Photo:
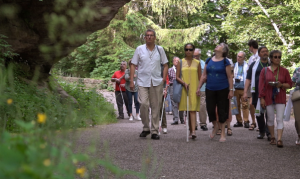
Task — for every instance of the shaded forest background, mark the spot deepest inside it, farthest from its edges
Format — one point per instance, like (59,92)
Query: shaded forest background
(204,23)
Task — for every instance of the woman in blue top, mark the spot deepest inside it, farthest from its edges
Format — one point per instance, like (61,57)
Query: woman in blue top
(219,88)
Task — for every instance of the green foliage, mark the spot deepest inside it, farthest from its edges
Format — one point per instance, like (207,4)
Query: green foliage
(28,101)
(5,50)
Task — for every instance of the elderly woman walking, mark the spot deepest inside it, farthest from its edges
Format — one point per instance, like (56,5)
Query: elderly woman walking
(273,96)
(219,88)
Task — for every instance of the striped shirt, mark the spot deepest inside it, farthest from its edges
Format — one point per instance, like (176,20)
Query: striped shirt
(283,77)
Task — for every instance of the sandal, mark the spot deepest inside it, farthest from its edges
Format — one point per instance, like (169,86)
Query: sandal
(279,143)
(273,141)
(252,127)
(229,131)
(219,132)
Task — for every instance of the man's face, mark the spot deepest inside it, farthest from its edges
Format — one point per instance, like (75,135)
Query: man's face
(197,55)
(149,37)
(175,61)
(123,66)
(240,58)
(251,49)
(264,54)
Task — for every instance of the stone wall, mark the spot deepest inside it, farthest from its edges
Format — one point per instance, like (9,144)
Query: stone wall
(89,82)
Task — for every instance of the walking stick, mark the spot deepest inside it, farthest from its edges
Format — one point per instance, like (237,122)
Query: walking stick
(162,112)
(122,97)
(187,119)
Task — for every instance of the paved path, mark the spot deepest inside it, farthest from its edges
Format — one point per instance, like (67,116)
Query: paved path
(241,156)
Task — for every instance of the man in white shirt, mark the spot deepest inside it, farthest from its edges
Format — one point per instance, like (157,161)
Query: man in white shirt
(149,58)
(253,47)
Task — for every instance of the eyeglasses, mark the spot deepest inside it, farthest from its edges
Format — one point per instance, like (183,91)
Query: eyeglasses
(275,57)
(189,49)
(149,36)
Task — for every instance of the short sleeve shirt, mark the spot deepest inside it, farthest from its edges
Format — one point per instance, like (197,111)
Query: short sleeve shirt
(149,65)
(253,58)
(119,74)
(216,74)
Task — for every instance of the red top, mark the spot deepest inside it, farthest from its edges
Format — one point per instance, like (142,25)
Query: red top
(119,74)
(283,77)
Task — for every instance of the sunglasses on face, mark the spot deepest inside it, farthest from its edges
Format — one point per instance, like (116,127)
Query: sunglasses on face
(275,57)
(189,49)
(149,35)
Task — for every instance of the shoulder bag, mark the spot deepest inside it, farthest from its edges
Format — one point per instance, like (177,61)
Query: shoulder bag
(177,88)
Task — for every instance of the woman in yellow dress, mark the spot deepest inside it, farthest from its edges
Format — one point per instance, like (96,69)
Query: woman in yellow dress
(191,74)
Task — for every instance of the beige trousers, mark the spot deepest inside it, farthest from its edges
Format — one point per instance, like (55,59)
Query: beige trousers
(202,111)
(296,106)
(150,97)
(239,97)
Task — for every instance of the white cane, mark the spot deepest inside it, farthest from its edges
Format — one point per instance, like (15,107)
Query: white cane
(187,118)
(162,112)
(122,97)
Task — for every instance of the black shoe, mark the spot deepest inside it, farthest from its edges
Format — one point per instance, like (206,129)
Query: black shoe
(196,128)
(155,137)
(120,117)
(269,137)
(144,133)
(174,123)
(182,122)
(261,136)
(204,128)
(246,125)
(238,124)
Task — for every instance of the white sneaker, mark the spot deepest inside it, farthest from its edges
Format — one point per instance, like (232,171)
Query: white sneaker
(165,130)
(138,118)
(131,118)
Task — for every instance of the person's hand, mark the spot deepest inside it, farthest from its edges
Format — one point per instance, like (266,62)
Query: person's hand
(230,94)
(122,85)
(118,81)
(245,97)
(279,84)
(263,103)
(186,86)
(165,93)
(198,92)
(134,76)
(131,85)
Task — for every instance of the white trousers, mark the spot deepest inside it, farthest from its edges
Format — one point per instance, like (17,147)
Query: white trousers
(279,114)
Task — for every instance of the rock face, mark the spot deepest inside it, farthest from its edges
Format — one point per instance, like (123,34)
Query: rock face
(29,29)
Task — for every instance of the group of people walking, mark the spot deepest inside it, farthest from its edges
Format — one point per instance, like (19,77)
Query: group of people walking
(208,88)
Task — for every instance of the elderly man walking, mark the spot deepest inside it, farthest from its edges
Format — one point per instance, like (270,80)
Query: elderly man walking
(202,112)
(120,91)
(149,58)
(240,74)
(172,76)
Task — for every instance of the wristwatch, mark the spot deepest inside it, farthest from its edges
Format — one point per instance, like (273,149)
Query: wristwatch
(231,89)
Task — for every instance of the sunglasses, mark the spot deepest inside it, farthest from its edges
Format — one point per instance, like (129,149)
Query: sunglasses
(275,57)
(189,49)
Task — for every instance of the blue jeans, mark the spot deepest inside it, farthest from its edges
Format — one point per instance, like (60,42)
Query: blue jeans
(137,104)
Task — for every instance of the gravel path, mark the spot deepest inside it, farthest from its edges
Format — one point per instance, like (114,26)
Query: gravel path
(241,156)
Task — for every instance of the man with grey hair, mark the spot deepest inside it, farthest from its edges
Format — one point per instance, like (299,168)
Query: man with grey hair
(120,91)
(149,58)
(172,77)
(240,74)
(202,112)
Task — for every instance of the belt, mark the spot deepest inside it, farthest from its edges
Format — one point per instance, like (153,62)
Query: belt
(239,89)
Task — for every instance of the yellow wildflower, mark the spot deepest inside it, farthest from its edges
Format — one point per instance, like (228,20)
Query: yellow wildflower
(47,162)
(81,171)
(41,118)
(9,101)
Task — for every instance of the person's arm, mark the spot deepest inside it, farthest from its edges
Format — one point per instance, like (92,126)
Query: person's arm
(114,78)
(127,75)
(288,81)
(248,81)
(229,77)
(132,71)
(262,88)
(202,80)
(165,72)
(199,72)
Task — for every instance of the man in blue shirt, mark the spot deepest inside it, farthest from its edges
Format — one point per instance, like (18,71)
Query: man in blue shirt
(202,112)
(240,74)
